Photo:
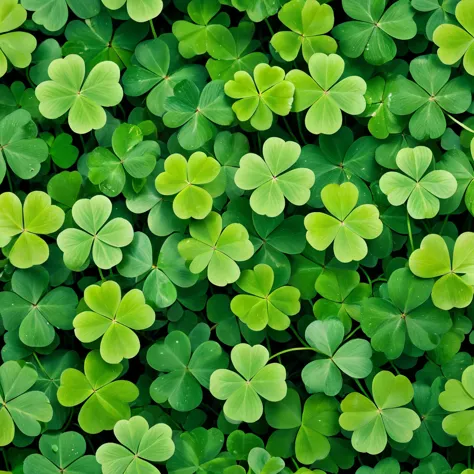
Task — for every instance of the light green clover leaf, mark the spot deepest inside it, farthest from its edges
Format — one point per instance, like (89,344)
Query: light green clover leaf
(257,10)
(352,358)
(262,306)
(385,466)
(192,182)
(372,32)
(138,10)
(84,100)
(20,408)
(139,445)
(324,95)
(309,22)
(347,227)
(455,42)
(458,397)
(61,453)
(419,189)
(16,46)
(33,311)
(433,259)
(271,180)
(261,462)
(439,13)
(406,314)
(132,158)
(113,319)
(22,224)
(105,238)
(216,249)
(257,379)
(260,97)
(183,374)
(372,422)
(106,399)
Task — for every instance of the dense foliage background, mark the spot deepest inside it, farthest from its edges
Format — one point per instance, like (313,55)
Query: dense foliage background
(236,236)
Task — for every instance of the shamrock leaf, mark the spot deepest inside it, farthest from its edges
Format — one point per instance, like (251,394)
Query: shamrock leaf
(180,385)
(63,152)
(385,466)
(83,100)
(257,10)
(106,399)
(435,462)
(271,180)
(53,14)
(349,226)
(308,22)
(266,94)
(429,97)
(138,10)
(372,422)
(374,28)
(105,239)
(34,311)
(407,313)
(112,319)
(21,408)
(261,462)
(257,379)
(324,95)
(439,13)
(455,42)
(188,179)
(157,72)
(231,50)
(420,190)
(262,306)
(63,452)
(140,445)
(352,358)
(239,444)
(216,249)
(21,225)
(458,397)
(196,111)
(132,158)
(309,430)
(433,259)
(20,148)
(17,46)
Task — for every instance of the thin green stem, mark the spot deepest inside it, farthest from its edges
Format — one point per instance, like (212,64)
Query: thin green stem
(410,235)
(287,125)
(369,280)
(40,365)
(352,333)
(83,143)
(295,332)
(394,367)
(293,349)
(153,29)
(460,124)
(379,279)
(469,460)
(259,139)
(270,348)
(167,19)
(295,463)
(362,388)
(9,179)
(89,442)
(300,128)
(443,225)
(66,426)
(101,274)
(5,459)
(269,26)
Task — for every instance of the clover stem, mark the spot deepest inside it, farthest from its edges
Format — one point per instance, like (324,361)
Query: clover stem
(5,459)
(300,128)
(362,388)
(292,350)
(295,332)
(394,367)
(269,26)
(270,348)
(410,235)
(66,426)
(9,179)
(444,224)
(101,274)
(83,143)
(469,453)
(89,442)
(460,124)
(153,29)
(352,333)
(287,125)
(259,141)
(369,280)
(40,365)
(295,463)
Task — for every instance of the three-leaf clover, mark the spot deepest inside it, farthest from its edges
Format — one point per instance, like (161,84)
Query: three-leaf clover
(139,445)
(35,312)
(262,306)
(180,385)
(407,313)
(260,97)
(216,249)
(374,28)
(138,10)
(352,358)
(420,190)
(191,182)
(455,42)
(262,462)
(348,225)
(105,239)
(271,180)
(20,407)
(429,97)
(106,399)
(257,379)
(372,422)
(83,100)
(22,224)
(324,95)
(440,12)
(112,319)
(309,22)
(61,453)
(434,259)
